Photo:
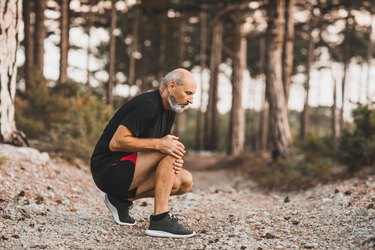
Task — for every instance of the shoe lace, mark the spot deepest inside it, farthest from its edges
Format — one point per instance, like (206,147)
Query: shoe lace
(128,205)
(174,218)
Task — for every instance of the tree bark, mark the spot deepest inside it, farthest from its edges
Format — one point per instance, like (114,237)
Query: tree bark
(134,45)
(212,119)
(112,55)
(88,49)
(39,35)
(305,112)
(288,47)
(180,121)
(237,115)
(162,48)
(369,58)
(261,144)
(202,62)
(346,58)
(64,42)
(334,121)
(28,42)
(10,20)
(280,132)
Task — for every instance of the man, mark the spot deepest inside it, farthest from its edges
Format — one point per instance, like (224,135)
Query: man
(137,157)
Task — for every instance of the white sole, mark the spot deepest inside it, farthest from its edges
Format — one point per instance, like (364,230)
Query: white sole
(115,213)
(157,233)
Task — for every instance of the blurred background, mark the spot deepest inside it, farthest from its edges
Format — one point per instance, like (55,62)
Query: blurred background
(290,79)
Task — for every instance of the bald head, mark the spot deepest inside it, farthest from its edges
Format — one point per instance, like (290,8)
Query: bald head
(179,76)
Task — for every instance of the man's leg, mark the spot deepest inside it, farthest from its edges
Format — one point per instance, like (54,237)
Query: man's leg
(182,184)
(160,182)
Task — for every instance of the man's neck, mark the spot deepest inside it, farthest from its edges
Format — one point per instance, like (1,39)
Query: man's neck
(164,98)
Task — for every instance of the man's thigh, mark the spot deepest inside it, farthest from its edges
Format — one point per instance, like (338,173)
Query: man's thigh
(145,166)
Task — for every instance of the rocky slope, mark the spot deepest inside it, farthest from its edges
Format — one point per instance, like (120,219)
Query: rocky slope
(49,204)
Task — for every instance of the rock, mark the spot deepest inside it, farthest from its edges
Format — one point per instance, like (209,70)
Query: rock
(310,245)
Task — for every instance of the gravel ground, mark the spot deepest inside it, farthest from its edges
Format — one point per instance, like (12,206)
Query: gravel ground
(49,204)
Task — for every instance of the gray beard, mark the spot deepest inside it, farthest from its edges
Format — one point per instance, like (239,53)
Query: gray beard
(175,106)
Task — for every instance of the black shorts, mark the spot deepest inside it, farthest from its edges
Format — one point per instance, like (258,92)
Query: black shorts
(116,176)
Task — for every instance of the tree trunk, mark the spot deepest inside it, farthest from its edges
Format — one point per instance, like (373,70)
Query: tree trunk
(88,49)
(369,58)
(346,64)
(202,62)
(334,121)
(64,42)
(39,35)
(10,20)
(237,115)
(28,42)
(280,131)
(305,112)
(288,47)
(112,55)
(212,119)
(162,48)
(261,144)
(180,121)
(134,45)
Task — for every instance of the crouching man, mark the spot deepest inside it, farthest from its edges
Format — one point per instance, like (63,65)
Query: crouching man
(137,157)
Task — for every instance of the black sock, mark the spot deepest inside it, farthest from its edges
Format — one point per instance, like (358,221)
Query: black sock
(159,216)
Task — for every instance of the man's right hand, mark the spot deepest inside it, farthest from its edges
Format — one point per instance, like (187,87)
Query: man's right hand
(170,145)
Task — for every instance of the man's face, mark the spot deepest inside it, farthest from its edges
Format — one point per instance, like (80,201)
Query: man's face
(182,95)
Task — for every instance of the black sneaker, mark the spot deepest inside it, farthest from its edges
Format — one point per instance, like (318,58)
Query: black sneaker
(168,227)
(120,210)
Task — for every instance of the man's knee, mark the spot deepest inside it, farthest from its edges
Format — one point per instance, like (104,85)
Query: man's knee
(186,182)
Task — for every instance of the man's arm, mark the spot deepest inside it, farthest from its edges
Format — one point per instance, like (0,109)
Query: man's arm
(124,140)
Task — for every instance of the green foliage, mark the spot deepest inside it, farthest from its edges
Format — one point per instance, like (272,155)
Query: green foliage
(65,117)
(357,147)
(300,171)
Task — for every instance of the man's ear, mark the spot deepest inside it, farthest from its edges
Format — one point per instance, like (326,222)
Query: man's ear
(171,86)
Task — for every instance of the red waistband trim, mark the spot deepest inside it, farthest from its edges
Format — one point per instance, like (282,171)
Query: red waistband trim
(132,157)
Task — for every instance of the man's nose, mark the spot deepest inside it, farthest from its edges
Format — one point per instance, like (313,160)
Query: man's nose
(190,100)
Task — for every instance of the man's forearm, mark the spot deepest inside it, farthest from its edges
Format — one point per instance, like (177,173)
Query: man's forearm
(130,143)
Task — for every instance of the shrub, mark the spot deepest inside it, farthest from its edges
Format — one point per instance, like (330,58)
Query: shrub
(65,117)
(357,147)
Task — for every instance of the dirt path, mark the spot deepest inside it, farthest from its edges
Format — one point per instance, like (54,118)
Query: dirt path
(49,204)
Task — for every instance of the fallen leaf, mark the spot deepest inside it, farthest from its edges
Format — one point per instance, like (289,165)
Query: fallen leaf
(5,216)
(269,236)
(39,200)
(21,194)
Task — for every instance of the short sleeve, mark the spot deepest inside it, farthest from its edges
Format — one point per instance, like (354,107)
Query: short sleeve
(139,118)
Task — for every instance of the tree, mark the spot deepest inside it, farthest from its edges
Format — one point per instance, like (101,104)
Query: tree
(288,46)
(179,125)
(211,119)
(310,58)
(28,41)
(64,42)
(39,34)
(237,119)
(280,132)
(202,63)
(134,44)
(10,21)
(112,54)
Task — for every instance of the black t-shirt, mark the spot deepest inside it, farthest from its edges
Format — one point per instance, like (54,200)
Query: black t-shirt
(144,116)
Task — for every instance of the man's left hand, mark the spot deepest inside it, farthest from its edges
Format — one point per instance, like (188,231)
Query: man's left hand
(177,165)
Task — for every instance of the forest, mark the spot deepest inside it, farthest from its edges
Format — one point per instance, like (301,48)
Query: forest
(289,78)
(280,137)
